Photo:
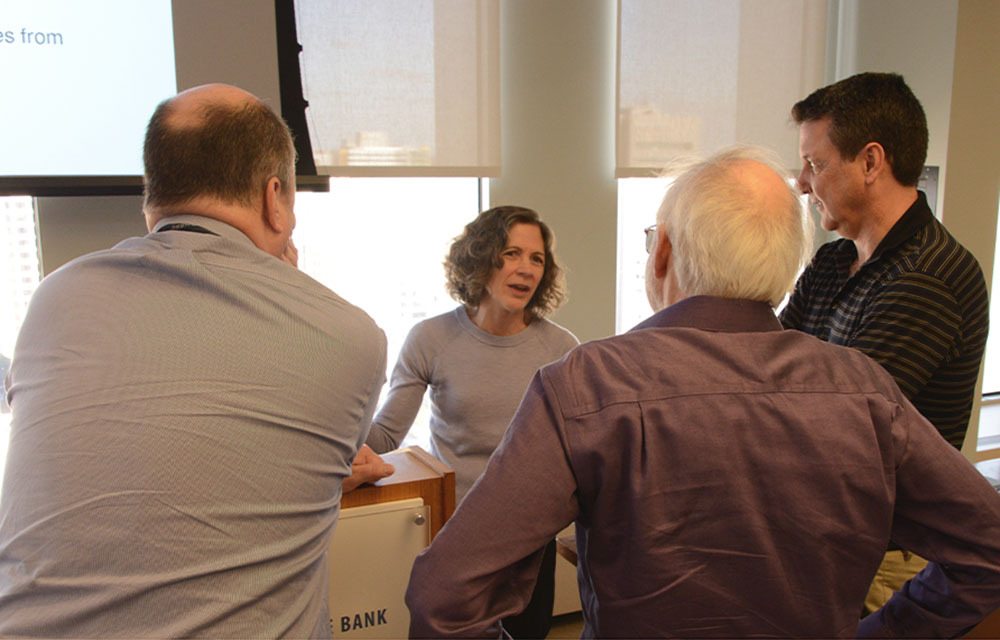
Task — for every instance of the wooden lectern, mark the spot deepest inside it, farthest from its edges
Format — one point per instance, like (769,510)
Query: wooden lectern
(418,475)
(382,528)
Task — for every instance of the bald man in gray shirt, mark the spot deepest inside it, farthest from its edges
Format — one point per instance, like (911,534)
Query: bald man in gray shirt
(187,406)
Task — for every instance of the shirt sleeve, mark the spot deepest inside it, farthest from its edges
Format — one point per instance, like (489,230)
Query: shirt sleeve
(407,385)
(946,512)
(378,357)
(484,563)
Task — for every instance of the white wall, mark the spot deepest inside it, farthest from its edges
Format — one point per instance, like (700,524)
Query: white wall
(231,41)
(948,53)
(971,199)
(915,38)
(71,227)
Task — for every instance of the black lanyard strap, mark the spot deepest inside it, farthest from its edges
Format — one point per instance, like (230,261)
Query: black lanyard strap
(180,226)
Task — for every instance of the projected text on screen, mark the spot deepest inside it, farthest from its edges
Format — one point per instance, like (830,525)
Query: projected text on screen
(80,80)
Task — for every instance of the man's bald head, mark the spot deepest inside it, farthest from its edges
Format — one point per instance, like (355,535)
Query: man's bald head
(215,141)
(736,227)
(187,107)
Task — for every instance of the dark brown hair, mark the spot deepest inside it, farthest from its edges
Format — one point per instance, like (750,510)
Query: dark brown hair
(475,253)
(230,154)
(872,107)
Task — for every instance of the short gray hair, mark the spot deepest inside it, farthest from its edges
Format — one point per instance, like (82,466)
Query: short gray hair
(726,240)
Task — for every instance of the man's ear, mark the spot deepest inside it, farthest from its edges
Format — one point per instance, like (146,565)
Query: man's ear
(662,252)
(274,214)
(874,161)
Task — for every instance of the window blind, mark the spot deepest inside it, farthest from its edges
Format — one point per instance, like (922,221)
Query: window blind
(695,76)
(401,87)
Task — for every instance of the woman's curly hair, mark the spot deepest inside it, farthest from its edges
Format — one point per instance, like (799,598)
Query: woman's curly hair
(475,253)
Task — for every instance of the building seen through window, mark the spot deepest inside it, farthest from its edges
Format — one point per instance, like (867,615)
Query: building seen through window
(19,276)
(380,243)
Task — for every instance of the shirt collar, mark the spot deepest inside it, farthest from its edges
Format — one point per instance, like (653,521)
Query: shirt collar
(217,227)
(711,313)
(915,218)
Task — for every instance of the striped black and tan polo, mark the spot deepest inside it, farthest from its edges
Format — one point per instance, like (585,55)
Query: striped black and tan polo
(918,306)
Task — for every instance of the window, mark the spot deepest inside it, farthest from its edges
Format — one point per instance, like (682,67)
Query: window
(638,201)
(19,276)
(736,67)
(400,101)
(380,244)
(401,87)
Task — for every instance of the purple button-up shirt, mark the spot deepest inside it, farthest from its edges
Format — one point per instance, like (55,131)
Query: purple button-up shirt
(727,479)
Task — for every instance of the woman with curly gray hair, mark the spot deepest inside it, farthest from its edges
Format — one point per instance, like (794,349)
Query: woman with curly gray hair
(478,359)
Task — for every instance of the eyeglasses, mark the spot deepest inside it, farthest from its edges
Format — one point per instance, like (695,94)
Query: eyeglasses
(650,232)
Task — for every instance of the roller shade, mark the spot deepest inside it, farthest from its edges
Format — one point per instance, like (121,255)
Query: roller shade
(695,76)
(401,87)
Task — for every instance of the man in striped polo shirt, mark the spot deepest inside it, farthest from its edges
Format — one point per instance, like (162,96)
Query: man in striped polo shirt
(897,285)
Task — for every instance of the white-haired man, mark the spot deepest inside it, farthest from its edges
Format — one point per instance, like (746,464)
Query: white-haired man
(727,478)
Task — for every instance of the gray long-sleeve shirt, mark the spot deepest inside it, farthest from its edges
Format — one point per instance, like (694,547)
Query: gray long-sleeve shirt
(185,407)
(476,381)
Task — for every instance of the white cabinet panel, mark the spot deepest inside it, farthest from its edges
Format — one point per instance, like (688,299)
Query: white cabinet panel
(371,556)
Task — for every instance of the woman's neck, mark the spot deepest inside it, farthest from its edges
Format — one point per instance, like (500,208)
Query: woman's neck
(498,322)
